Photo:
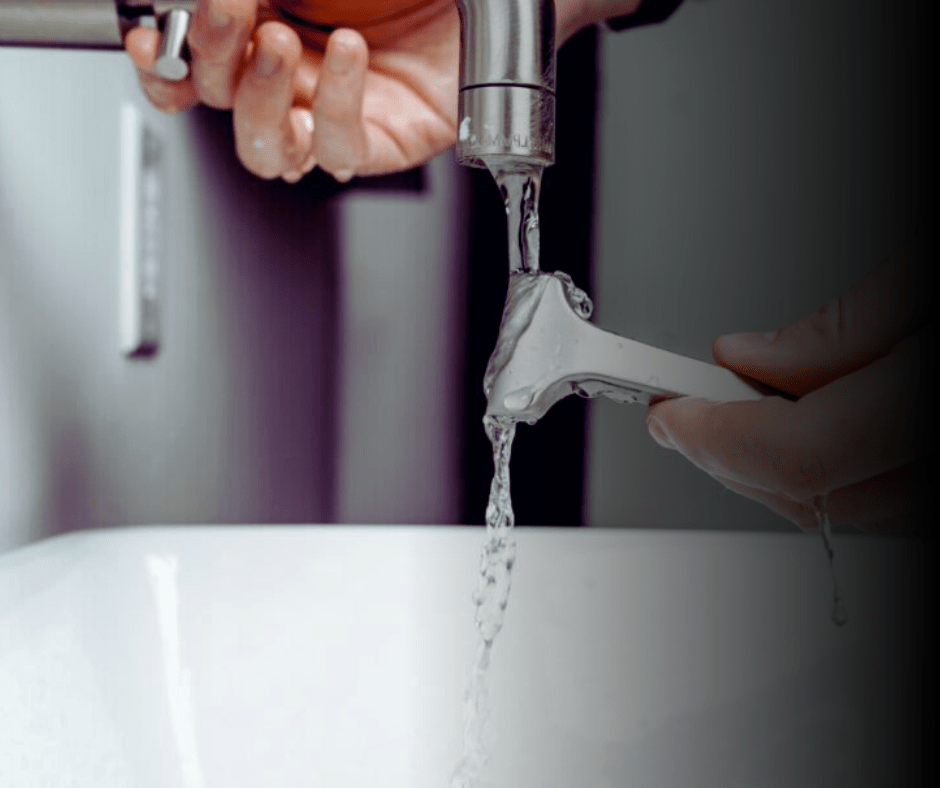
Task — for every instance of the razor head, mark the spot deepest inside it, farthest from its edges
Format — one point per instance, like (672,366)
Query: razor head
(547,351)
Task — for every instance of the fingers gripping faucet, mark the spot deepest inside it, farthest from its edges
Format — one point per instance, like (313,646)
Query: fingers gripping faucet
(100,24)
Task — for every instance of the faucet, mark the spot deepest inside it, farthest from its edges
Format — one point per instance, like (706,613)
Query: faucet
(506,106)
(547,350)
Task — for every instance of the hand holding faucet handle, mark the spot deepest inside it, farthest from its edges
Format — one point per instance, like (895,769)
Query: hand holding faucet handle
(858,443)
(354,86)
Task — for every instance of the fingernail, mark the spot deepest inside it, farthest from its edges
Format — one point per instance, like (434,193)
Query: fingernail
(292,177)
(341,57)
(746,343)
(658,432)
(267,62)
(343,176)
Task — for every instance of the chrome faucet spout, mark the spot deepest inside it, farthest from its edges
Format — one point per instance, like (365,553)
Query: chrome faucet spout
(507,82)
(546,351)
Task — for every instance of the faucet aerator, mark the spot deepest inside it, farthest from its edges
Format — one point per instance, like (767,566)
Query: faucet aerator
(506,106)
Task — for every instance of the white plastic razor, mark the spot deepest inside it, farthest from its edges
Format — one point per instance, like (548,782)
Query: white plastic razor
(547,350)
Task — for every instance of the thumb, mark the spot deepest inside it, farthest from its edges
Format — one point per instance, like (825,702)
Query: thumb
(848,333)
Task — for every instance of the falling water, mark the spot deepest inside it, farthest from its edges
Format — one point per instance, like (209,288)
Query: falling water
(491,597)
(839,616)
(520,188)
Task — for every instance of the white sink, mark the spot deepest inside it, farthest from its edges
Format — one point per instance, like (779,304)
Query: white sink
(245,657)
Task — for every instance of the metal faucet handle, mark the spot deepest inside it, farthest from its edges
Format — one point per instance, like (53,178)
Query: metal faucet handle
(173,58)
(547,351)
(99,24)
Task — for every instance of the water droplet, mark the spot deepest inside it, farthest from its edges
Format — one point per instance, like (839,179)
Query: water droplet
(519,400)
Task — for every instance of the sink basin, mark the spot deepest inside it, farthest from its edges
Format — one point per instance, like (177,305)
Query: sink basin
(240,657)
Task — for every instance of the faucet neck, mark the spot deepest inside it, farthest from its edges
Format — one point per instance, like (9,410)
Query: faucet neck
(507,42)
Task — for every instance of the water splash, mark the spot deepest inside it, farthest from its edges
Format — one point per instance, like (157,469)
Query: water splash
(578,300)
(522,298)
(839,615)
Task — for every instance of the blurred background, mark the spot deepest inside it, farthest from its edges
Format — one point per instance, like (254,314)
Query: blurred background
(321,349)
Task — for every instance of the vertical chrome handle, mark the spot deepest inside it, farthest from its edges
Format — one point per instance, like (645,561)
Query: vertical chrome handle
(172,63)
(100,24)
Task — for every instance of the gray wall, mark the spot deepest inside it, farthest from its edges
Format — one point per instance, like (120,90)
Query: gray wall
(402,331)
(231,421)
(757,157)
(246,413)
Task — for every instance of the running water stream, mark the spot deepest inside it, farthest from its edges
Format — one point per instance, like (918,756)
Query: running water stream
(491,597)
(520,191)
(839,615)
